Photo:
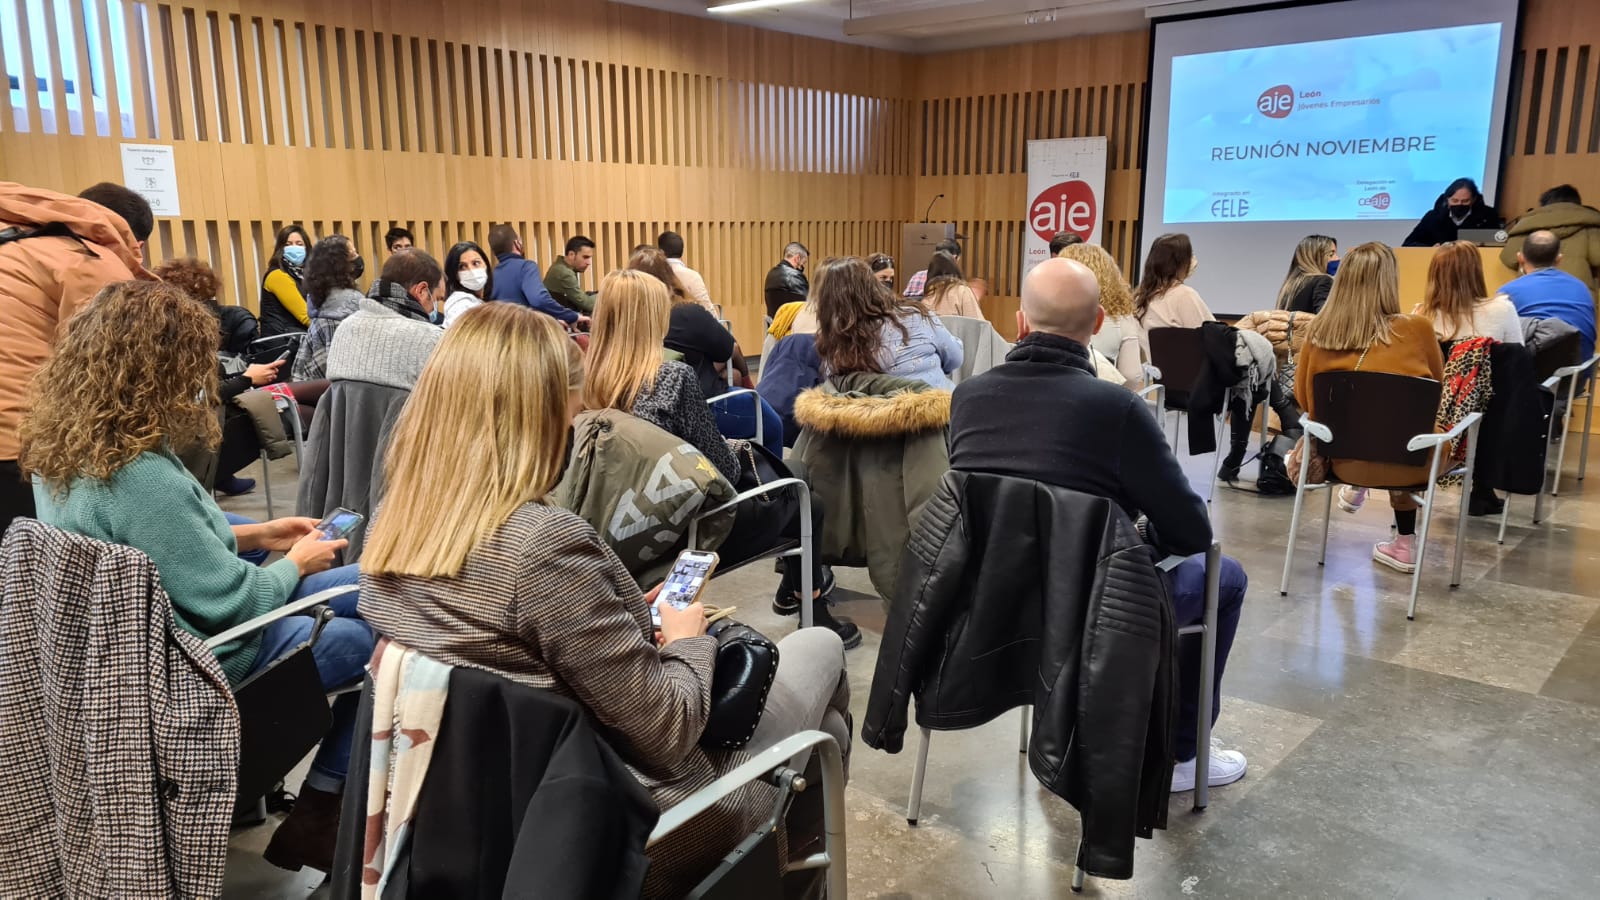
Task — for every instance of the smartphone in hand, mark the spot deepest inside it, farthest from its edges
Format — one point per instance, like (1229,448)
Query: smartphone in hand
(688,578)
(339,523)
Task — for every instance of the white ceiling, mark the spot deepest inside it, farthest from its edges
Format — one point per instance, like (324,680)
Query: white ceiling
(927,26)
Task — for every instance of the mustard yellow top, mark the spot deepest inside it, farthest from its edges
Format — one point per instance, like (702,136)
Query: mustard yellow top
(281,285)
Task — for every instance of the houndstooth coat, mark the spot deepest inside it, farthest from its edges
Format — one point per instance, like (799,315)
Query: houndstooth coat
(119,738)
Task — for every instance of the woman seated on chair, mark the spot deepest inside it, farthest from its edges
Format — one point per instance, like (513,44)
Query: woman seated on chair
(1457,298)
(1119,337)
(863,326)
(708,347)
(528,591)
(130,383)
(626,373)
(241,445)
(1361,329)
(947,292)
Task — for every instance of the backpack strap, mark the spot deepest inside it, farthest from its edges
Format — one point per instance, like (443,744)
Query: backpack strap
(51,229)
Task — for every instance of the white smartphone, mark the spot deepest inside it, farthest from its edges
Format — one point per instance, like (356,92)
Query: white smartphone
(688,578)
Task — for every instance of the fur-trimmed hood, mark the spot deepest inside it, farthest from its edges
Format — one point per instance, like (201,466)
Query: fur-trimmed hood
(872,406)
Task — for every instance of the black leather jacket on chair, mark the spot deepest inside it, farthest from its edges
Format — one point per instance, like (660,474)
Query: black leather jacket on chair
(1013,592)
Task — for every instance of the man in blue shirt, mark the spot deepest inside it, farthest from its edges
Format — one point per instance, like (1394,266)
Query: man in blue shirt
(517,279)
(1546,292)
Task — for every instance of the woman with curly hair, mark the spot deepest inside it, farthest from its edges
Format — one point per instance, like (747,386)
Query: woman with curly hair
(1118,338)
(332,293)
(131,383)
(283,306)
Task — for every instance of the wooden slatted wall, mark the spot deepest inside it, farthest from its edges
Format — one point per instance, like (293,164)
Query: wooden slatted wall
(607,120)
(1554,132)
(978,109)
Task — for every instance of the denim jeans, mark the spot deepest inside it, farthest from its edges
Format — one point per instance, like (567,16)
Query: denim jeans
(254,557)
(736,418)
(1187,587)
(341,654)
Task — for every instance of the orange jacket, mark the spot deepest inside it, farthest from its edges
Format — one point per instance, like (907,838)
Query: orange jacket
(45,280)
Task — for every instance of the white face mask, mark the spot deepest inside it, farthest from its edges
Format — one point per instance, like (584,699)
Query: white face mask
(473,279)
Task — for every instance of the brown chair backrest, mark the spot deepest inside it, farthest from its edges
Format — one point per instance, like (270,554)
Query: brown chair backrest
(1374,414)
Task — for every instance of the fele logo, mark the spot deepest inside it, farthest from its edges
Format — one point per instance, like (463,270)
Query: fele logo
(1276,102)
(1379,200)
(1067,206)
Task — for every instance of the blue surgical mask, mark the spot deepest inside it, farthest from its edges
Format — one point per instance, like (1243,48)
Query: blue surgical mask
(294,254)
(1333,267)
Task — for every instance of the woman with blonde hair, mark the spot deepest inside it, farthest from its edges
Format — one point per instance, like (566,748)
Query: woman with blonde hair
(1305,288)
(1457,299)
(129,385)
(1118,338)
(626,373)
(1361,329)
(528,591)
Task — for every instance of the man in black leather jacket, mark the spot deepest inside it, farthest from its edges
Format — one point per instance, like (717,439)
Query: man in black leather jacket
(786,281)
(1043,415)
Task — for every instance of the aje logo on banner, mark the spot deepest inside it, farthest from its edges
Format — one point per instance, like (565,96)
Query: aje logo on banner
(1066,192)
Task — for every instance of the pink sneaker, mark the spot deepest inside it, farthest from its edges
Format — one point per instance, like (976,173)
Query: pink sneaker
(1396,554)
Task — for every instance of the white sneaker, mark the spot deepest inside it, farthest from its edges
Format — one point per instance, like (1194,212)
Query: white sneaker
(1227,766)
(1351,498)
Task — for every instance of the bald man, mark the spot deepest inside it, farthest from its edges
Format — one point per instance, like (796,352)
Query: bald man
(1546,292)
(1044,416)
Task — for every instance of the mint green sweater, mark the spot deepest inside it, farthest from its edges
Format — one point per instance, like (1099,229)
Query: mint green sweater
(155,506)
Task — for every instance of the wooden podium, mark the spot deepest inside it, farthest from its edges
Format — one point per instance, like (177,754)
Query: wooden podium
(1414,272)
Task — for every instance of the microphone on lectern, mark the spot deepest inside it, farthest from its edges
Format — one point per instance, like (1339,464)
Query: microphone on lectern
(929,210)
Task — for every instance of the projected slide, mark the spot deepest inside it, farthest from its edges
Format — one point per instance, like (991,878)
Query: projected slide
(1368,127)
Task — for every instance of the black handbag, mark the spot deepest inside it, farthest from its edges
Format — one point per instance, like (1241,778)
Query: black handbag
(757,466)
(747,663)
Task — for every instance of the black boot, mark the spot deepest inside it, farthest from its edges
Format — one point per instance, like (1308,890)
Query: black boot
(307,837)
(1231,463)
(1484,502)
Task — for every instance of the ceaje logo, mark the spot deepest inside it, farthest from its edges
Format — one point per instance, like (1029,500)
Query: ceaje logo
(1379,201)
(1276,102)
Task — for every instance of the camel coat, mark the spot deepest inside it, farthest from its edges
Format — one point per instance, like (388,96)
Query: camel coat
(1412,350)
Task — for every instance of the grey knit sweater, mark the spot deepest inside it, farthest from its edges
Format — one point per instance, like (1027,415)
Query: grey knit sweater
(378,345)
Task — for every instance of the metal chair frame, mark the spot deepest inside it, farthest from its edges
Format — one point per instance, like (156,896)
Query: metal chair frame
(1572,373)
(1431,441)
(1206,628)
(776,765)
(284,405)
(736,392)
(806,551)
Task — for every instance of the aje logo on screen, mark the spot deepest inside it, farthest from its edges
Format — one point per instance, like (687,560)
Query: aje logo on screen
(1379,200)
(1068,206)
(1276,102)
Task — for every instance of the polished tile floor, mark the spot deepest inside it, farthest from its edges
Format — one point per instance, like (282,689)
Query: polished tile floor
(1456,756)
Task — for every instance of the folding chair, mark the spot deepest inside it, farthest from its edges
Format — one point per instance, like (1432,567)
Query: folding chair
(1573,375)
(1177,358)
(1206,628)
(1382,418)
(805,548)
(748,870)
(286,410)
(267,349)
(283,708)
